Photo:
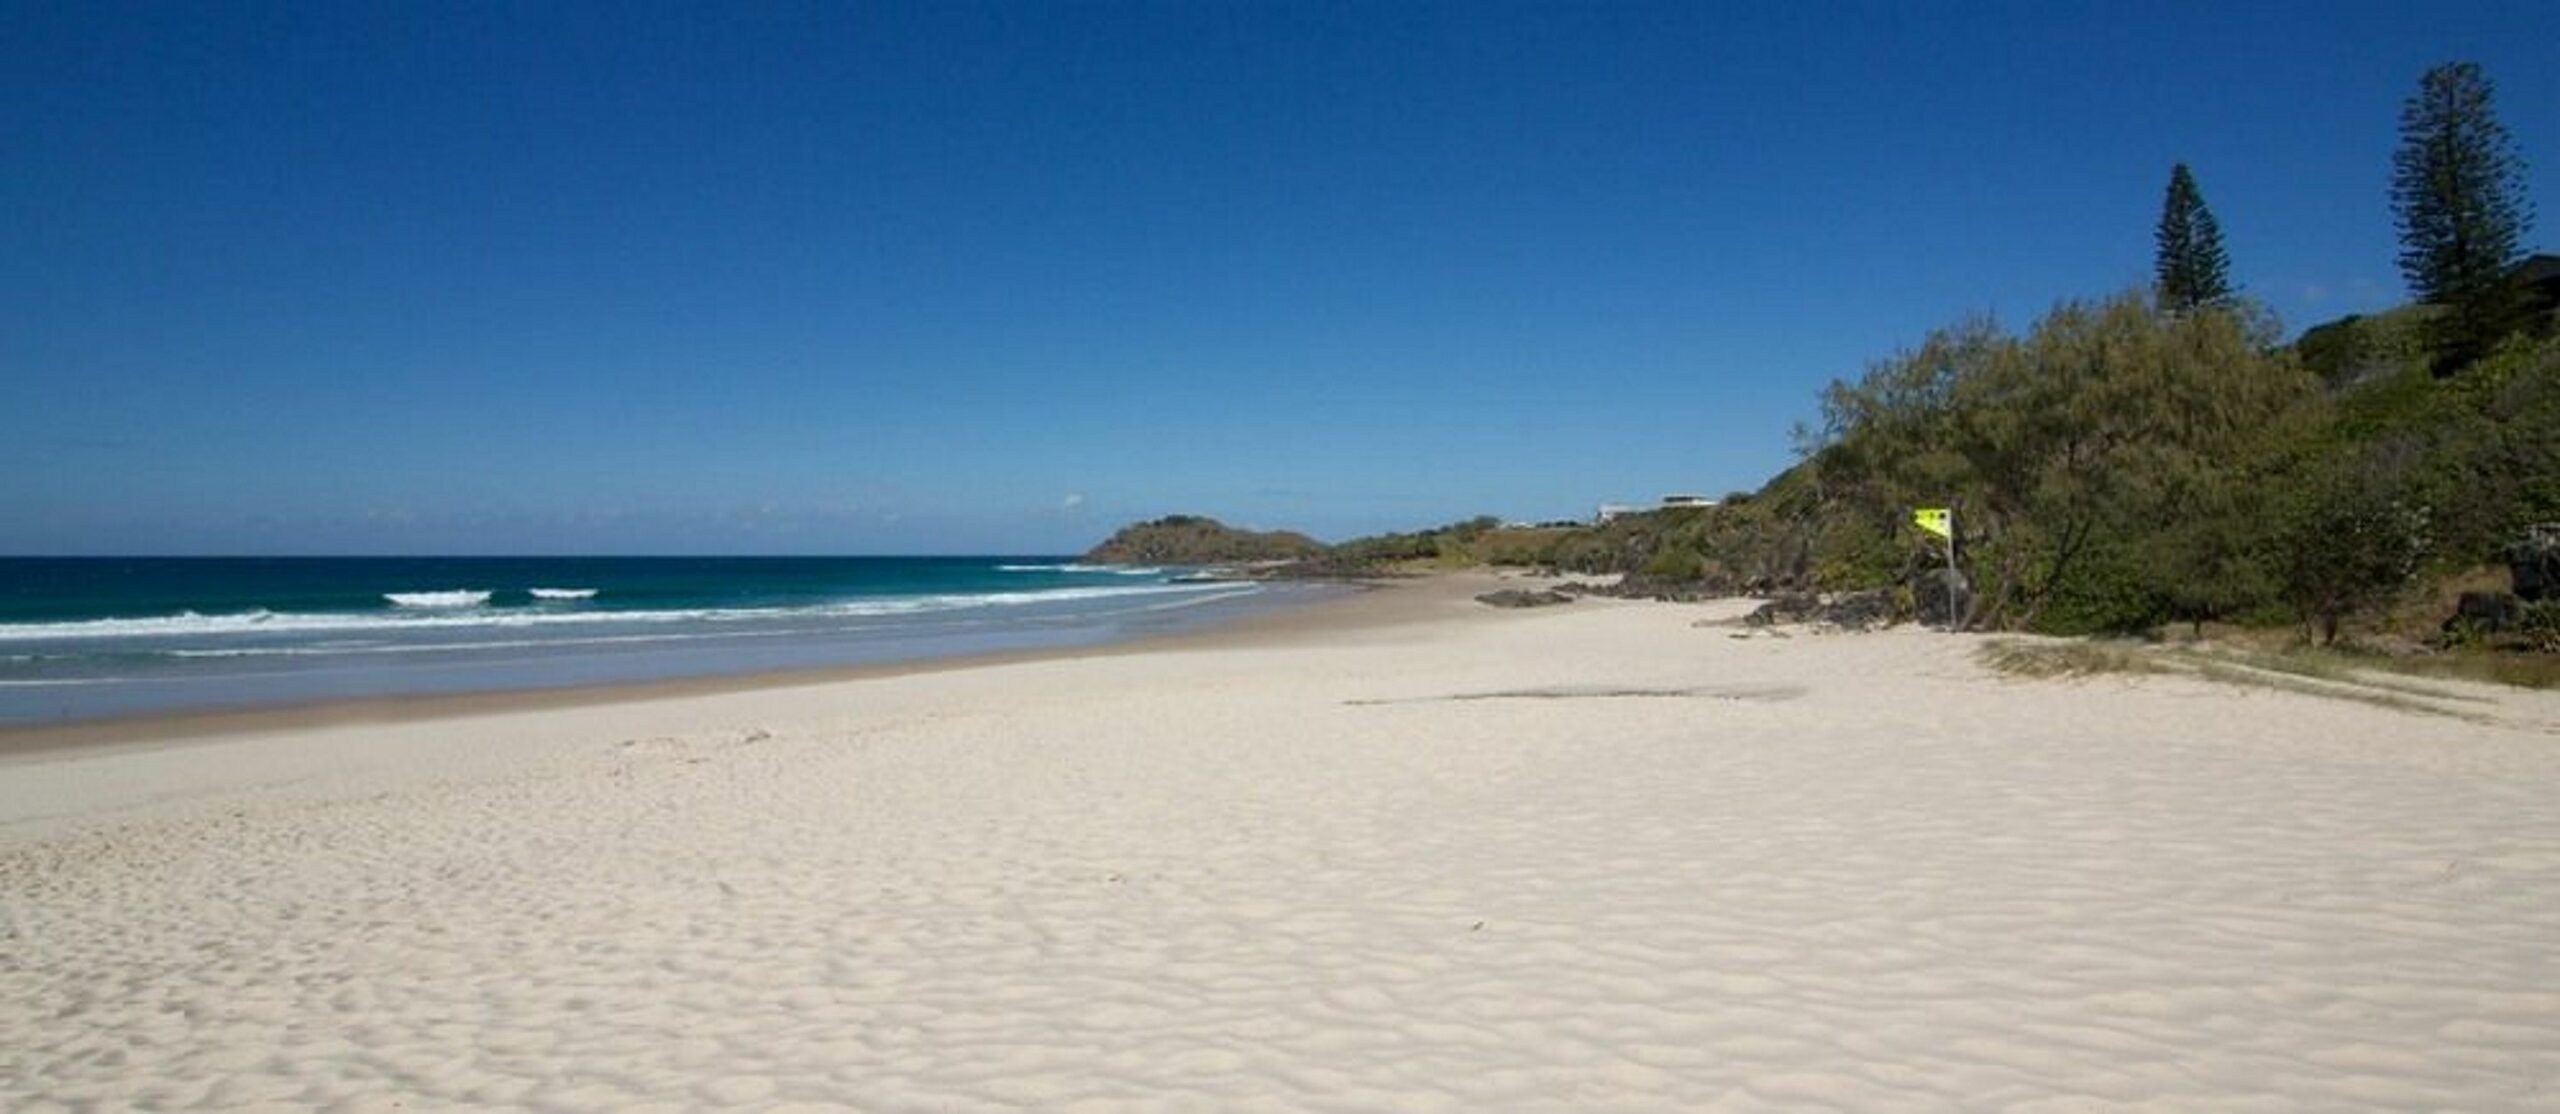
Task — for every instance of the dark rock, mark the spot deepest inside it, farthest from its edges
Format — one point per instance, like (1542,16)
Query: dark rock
(2486,613)
(1941,598)
(2533,564)
(1638,586)
(1521,597)
(1327,567)
(1859,610)
(1784,609)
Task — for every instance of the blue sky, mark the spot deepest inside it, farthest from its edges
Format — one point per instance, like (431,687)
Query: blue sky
(360,278)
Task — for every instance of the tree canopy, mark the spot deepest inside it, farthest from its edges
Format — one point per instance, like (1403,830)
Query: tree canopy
(2191,268)
(2457,189)
(2070,450)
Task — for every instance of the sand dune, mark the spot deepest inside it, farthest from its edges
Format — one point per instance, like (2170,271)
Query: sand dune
(1586,858)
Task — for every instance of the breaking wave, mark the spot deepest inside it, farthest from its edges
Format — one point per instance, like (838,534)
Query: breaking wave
(451,612)
(459,597)
(1115,570)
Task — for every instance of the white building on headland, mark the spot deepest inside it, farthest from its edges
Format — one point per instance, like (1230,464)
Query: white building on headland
(1669,502)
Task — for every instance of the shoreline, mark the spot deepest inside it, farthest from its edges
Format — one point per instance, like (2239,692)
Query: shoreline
(1365,603)
(1396,850)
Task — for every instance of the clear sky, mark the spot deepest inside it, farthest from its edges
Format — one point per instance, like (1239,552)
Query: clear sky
(760,277)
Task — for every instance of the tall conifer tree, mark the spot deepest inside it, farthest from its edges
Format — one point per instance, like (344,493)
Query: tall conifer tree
(2190,269)
(2457,187)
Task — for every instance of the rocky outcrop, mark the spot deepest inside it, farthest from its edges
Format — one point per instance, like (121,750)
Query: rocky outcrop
(1859,610)
(2486,613)
(1784,609)
(1638,586)
(1848,611)
(1193,540)
(1940,598)
(2533,563)
(1523,597)
(1328,566)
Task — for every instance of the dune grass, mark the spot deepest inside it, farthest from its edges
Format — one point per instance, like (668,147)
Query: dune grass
(2067,659)
(2532,671)
(2335,676)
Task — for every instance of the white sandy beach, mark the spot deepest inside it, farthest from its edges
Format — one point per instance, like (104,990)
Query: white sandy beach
(1581,858)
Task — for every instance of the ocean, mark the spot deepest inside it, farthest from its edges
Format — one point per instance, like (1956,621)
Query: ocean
(93,637)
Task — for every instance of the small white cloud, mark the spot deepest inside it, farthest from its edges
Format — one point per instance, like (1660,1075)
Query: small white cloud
(1073,502)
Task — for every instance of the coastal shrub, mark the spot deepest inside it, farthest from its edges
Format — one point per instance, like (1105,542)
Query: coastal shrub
(2112,593)
(2359,348)
(2352,540)
(2116,468)
(2479,450)
(1454,544)
(1677,564)
(2540,628)
(1521,546)
(2061,448)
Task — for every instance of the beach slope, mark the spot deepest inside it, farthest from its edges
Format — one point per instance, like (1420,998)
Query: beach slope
(1591,857)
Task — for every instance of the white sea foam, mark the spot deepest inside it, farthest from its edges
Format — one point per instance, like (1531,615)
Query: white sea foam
(380,648)
(563,593)
(1195,601)
(1116,570)
(458,597)
(462,616)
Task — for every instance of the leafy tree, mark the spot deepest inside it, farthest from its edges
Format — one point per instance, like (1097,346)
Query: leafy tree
(2457,189)
(2066,452)
(2353,539)
(2191,269)
(2206,558)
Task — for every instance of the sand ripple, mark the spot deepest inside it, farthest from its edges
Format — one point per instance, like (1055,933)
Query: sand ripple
(1300,878)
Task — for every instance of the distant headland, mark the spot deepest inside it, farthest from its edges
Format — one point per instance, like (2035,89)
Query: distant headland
(1183,539)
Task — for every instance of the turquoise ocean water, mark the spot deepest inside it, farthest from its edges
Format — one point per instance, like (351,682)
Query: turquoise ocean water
(84,638)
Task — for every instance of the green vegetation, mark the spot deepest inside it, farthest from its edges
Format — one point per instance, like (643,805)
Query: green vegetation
(2067,659)
(2457,187)
(2541,627)
(2103,466)
(2191,268)
(1183,539)
(2360,349)
(2282,673)
(2540,671)
(2138,461)
(2118,468)
(2158,458)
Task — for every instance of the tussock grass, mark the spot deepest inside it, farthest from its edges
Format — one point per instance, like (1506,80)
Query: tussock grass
(2360,692)
(2330,675)
(2067,659)
(2531,671)
(2336,668)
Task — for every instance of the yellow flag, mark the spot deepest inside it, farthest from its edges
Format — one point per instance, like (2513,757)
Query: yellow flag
(1931,519)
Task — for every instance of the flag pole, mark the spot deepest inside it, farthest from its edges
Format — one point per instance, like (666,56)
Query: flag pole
(1955,618)
(1942,522)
